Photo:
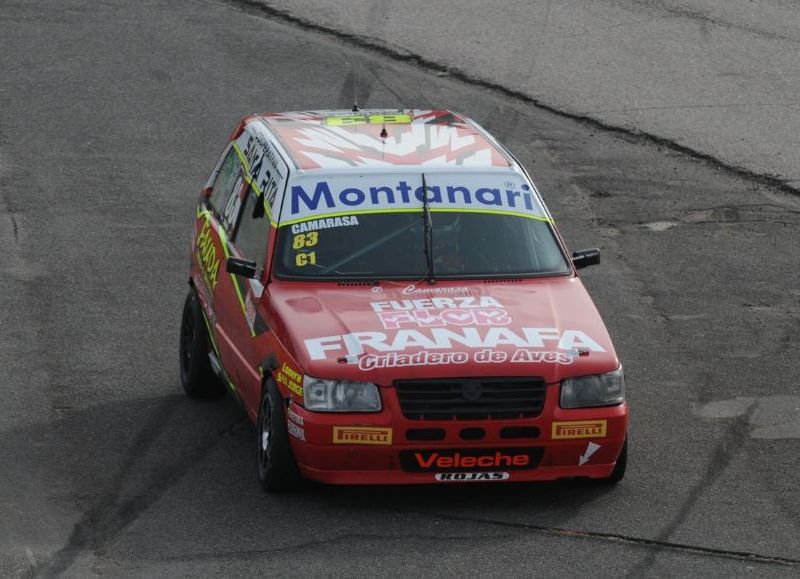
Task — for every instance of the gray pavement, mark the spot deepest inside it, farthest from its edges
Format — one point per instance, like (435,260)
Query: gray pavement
(111,117)
(720,78)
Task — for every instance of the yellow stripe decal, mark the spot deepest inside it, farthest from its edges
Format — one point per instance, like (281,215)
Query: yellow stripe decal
(210,333)
(250,180)
(414,210)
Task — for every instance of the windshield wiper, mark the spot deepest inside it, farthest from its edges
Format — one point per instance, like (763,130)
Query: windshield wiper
(428,223)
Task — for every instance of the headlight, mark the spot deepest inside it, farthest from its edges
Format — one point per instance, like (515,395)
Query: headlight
(598,390)
(340,395)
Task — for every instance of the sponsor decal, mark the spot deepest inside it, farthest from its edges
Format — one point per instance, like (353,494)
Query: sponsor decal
(436,303)
(533,356)
(290,378)
(294,416)
(309,198)
(452,317)
(412,289)
(296,430)
(249,311)
(207,256)
(438,312)
(263,164)
(362,435)
(469,460)
(437,137)
(325,223)
(367,362)
(373,119)
(578,429)
(206,299)
(393,360)
(470,476)
(591,448)
(491,337)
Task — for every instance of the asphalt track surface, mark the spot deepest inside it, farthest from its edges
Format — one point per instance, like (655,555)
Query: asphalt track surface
(111,117)
(718,77)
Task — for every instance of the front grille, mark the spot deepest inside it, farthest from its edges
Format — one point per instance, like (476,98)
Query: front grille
(471,398)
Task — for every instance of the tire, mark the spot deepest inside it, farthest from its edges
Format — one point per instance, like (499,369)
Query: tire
(619,468)
(197,376)
(277,469)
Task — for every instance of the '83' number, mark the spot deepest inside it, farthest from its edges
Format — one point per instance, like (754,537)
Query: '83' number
(302,240)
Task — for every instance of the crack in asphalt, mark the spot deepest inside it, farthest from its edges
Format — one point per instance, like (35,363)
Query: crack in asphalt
(109,516)
(655,545)
(386,49)
(15,227)
(704,18)
(737,435)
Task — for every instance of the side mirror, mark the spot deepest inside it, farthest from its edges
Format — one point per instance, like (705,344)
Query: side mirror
(585,257)
(241,267)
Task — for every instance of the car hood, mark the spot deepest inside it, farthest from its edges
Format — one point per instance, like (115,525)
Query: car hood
(381,333)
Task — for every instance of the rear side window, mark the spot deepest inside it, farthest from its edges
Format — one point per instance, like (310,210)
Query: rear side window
(253,232)
(225,183)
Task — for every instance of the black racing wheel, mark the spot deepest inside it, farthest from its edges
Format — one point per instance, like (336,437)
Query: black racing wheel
(197,377)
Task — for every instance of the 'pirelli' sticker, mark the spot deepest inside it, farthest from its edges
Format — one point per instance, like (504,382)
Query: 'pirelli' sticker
(362,435)
(578,429)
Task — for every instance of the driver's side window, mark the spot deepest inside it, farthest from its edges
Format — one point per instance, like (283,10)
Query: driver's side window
(253,231)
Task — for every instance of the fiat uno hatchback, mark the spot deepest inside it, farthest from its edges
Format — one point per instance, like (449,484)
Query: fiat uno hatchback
(388,297)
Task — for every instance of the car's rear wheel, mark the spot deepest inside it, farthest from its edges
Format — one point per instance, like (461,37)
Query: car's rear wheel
(277,469)
(197,376)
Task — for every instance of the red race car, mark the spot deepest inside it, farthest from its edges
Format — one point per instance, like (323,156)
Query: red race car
(389,298)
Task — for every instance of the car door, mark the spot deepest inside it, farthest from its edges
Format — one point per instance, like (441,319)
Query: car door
(241,324)
(216,217)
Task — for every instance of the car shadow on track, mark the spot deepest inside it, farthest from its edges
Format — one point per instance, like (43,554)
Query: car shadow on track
(181,469)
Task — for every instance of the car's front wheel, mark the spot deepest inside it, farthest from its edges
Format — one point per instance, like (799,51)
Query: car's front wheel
(277,469)
(197,377)
(620,467)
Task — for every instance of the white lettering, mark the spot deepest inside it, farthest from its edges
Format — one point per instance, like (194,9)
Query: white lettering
(576,339)
(354,344)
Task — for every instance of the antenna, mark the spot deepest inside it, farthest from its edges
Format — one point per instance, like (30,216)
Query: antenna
(355,108)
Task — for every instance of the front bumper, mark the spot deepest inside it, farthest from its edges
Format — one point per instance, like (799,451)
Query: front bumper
(384,448)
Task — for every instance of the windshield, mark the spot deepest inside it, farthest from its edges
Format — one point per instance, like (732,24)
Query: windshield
(392,245)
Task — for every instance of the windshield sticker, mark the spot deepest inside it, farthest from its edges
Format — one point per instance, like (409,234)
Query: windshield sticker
(506,194)
(301,242)
(381,348)
(327,223)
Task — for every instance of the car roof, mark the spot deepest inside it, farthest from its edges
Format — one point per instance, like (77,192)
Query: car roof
(342,140)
